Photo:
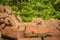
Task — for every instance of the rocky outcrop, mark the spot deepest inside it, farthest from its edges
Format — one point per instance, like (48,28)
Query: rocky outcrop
(38,29)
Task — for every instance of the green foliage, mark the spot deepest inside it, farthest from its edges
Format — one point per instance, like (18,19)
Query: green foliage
(15,8)
(57,16)
(29,9)
(26,19)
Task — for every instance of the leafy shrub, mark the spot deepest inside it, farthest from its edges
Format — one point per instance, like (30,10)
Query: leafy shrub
(29,9)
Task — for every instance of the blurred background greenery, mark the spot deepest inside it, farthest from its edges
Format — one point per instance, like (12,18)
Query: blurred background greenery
(29,9)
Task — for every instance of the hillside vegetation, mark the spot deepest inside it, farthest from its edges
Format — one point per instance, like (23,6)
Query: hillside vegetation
(29,9)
